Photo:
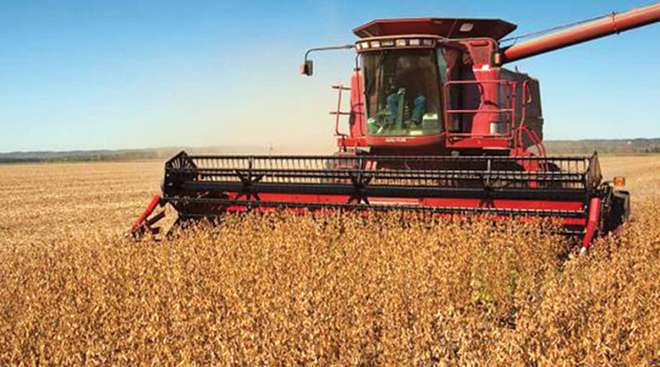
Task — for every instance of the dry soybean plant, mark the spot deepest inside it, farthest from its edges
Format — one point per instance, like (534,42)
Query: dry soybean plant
(347,290)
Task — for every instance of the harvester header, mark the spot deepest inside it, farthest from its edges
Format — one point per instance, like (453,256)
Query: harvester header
(436,124)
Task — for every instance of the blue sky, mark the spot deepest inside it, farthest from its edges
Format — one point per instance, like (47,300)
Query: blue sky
(132,74)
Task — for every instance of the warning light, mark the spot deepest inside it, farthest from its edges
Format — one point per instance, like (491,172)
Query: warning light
(619,181)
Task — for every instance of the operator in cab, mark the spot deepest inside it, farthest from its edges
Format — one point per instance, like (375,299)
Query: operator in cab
(402,93)
(405,100)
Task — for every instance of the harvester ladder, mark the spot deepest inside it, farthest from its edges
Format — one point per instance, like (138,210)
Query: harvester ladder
(338,113)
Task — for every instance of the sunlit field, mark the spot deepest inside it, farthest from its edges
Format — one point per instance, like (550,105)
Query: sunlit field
(285,289)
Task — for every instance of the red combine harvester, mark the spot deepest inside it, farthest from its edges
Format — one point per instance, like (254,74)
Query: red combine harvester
(436,124)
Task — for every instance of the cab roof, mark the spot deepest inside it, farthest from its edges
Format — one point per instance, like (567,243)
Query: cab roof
(444,27)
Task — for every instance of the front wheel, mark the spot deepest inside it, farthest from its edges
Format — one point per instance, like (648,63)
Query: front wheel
(619,210)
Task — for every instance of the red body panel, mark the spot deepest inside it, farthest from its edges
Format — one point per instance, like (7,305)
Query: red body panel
(358,123)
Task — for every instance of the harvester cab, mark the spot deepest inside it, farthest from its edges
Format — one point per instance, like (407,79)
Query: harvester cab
(436,124)
(434,86)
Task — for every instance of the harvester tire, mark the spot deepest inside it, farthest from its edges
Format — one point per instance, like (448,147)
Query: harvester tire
(620,210)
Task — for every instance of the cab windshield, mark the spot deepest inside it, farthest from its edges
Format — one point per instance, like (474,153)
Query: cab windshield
(402,88)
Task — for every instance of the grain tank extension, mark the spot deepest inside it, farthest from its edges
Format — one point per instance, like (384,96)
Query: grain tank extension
(436,124)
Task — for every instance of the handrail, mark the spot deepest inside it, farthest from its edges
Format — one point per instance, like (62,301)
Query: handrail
(518,142)
(510,110)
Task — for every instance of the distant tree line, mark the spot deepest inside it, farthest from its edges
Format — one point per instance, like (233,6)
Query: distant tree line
(618,146)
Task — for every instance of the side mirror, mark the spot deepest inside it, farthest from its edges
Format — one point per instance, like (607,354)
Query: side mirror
(307,68)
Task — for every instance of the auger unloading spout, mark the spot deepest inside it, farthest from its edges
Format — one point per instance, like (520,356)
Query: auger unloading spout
(435,125)
(611,24)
